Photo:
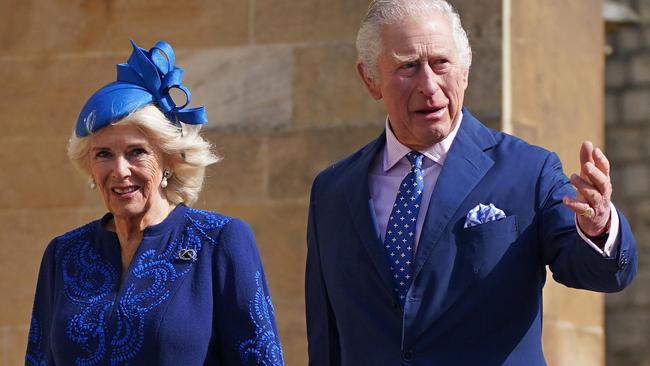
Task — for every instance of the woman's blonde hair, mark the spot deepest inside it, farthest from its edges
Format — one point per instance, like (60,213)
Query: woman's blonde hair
(183,148)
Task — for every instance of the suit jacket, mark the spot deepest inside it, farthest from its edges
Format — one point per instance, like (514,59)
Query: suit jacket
(476,297)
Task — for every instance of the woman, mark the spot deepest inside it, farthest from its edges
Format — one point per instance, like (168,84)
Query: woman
(153,282)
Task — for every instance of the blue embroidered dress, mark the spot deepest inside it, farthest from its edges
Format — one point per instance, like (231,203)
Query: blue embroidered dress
(210,310)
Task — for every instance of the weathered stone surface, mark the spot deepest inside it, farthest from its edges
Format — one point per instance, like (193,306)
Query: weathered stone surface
(43,97)
(612,111)
(12,350)
(629,39)
(45,27)
(565,344)
(307,20)
(625,143)
(41,176)
(246,87)
(636,107)
(625,332)
(640,68)
(327,91)
(241,175)
(576,307)
(570,35)
(615,75)
(297,157)
(483,21)
(635,179)
(25,233)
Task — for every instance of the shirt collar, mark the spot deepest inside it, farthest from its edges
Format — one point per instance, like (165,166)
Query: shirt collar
(395,150)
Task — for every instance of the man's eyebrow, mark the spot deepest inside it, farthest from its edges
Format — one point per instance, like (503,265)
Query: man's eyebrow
(405,57)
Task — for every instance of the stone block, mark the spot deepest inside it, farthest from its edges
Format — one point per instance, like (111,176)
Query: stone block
(247,87)
(328,92)
(582,309)
(612,110)
(280,229)
(41,176)
(640,68)
(636,105)
(483,21)
(46,27)
(241,175)
(297,157)
(279,21)
(627,334)
(14,345)
(635,179)
(43,96)
(624,143)
(615,73)
(25,233)
(565,344)
(629,39)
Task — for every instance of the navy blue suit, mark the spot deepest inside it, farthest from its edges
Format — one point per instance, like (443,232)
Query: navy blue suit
(476,298)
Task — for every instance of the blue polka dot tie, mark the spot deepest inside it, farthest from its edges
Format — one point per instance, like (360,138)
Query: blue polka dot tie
(400,232)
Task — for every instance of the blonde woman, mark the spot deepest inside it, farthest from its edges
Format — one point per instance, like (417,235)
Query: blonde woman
(153,282)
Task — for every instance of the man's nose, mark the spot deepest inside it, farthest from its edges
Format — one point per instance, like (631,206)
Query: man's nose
(428,82)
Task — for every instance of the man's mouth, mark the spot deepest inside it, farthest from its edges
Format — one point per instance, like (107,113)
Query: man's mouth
(432,111)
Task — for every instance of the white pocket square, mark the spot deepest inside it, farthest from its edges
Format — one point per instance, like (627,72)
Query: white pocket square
(482,214)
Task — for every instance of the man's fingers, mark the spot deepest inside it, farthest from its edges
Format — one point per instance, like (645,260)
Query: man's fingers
(586,156)
(591,195)
(601,162)
(576,206)
(598,179)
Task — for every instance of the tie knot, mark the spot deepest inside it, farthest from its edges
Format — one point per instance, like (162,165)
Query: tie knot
(416,159)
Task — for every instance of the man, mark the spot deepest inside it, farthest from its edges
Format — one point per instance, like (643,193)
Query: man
(429,245)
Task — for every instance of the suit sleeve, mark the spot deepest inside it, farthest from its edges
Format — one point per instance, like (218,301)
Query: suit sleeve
(39,339)
(322,335)
(243,311)
(573,262)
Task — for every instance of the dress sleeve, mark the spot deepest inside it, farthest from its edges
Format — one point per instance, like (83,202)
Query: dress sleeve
(39,340)
(244,314)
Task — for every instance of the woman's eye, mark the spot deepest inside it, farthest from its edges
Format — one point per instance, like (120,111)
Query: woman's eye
(103,154)
(138,151)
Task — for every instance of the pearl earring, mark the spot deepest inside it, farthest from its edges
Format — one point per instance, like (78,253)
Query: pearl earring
(166,174)
(92,184)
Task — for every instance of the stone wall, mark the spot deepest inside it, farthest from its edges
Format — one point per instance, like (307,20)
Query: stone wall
(628,147)
(284,101)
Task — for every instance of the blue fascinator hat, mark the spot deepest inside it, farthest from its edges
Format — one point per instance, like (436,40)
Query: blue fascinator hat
(146,78)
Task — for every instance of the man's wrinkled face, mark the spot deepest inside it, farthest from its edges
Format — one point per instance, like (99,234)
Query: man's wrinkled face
(420,79)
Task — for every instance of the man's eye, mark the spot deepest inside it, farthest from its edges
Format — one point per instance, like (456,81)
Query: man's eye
(409,65)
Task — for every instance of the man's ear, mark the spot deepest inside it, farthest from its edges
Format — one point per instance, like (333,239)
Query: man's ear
(369,82)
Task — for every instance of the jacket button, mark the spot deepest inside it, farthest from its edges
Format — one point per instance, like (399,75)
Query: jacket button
(407,355)
(623,262)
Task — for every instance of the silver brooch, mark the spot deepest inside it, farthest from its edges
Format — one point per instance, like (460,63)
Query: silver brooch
(187,255)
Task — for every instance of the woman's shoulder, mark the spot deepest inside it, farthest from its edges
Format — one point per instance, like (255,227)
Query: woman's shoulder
(222,225)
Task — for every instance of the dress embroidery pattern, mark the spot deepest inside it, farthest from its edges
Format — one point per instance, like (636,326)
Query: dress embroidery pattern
(265,348)
(88,282)
(35,356)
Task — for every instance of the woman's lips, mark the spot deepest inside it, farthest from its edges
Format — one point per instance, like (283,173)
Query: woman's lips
(125,192)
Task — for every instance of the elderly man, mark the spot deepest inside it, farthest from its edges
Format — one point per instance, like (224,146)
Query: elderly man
(429,246)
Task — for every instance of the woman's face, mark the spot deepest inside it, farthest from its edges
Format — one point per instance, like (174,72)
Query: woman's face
(127,170)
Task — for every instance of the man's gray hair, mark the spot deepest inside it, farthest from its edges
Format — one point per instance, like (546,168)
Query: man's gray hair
(382,12)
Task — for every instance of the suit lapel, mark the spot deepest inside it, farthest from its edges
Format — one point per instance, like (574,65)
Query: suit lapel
(465,166)
(357,194)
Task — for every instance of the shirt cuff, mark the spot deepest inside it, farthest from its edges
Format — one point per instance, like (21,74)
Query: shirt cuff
(612,239)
